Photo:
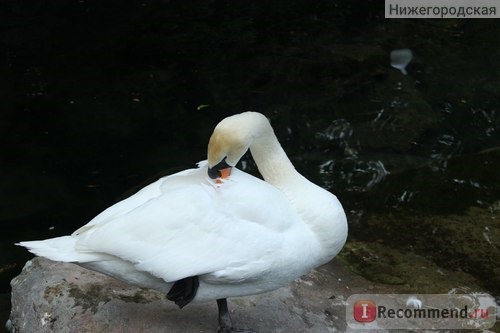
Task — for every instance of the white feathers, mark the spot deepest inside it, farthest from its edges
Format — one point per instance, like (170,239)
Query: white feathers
(242,236)
(60,249)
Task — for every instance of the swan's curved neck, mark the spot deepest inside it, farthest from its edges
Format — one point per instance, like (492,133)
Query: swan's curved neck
(318,208)
(272,161)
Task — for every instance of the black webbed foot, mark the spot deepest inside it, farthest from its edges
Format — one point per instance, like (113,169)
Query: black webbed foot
(183,291)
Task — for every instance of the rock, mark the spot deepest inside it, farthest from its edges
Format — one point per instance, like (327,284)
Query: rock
(410,272)
(52,296)
(431,253)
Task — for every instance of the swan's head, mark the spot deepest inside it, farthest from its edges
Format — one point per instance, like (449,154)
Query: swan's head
(231,139)
(225,148)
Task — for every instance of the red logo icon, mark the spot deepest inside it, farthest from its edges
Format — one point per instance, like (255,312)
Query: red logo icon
(365,311)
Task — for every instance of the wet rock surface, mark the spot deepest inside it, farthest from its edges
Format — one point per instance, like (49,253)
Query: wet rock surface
(429,253)
(51,296)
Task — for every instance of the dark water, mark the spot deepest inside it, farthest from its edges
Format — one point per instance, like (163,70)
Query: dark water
(99,98)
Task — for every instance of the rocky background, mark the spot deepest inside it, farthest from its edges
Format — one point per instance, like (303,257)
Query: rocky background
(61,297)
(100,98)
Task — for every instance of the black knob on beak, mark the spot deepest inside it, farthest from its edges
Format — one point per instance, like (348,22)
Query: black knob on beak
(214,172)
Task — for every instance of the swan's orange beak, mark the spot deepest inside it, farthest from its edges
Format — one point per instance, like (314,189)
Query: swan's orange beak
(224,174)
(220,171)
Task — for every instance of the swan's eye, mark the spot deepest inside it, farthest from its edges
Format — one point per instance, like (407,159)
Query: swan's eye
(220,170)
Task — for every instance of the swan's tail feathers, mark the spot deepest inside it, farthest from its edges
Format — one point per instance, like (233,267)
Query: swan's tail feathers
(59,249)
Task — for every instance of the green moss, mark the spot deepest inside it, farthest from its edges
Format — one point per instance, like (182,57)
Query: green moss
(410,272)
(88,296)
(142,296)
(466,242)
(53,292)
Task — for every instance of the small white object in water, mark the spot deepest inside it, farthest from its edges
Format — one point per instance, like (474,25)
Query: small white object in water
(413,302)
(400,59)
(485,234)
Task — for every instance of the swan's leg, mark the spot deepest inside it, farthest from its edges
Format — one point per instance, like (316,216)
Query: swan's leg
(183,291)
(225,324)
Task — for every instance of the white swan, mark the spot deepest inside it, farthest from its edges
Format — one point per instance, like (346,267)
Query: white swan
(199,239)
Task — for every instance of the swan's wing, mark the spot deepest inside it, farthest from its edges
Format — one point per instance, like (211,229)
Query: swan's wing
(138,199)
(233,231)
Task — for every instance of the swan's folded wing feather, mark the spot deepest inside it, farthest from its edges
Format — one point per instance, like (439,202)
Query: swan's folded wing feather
(197,229)
(138,199)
